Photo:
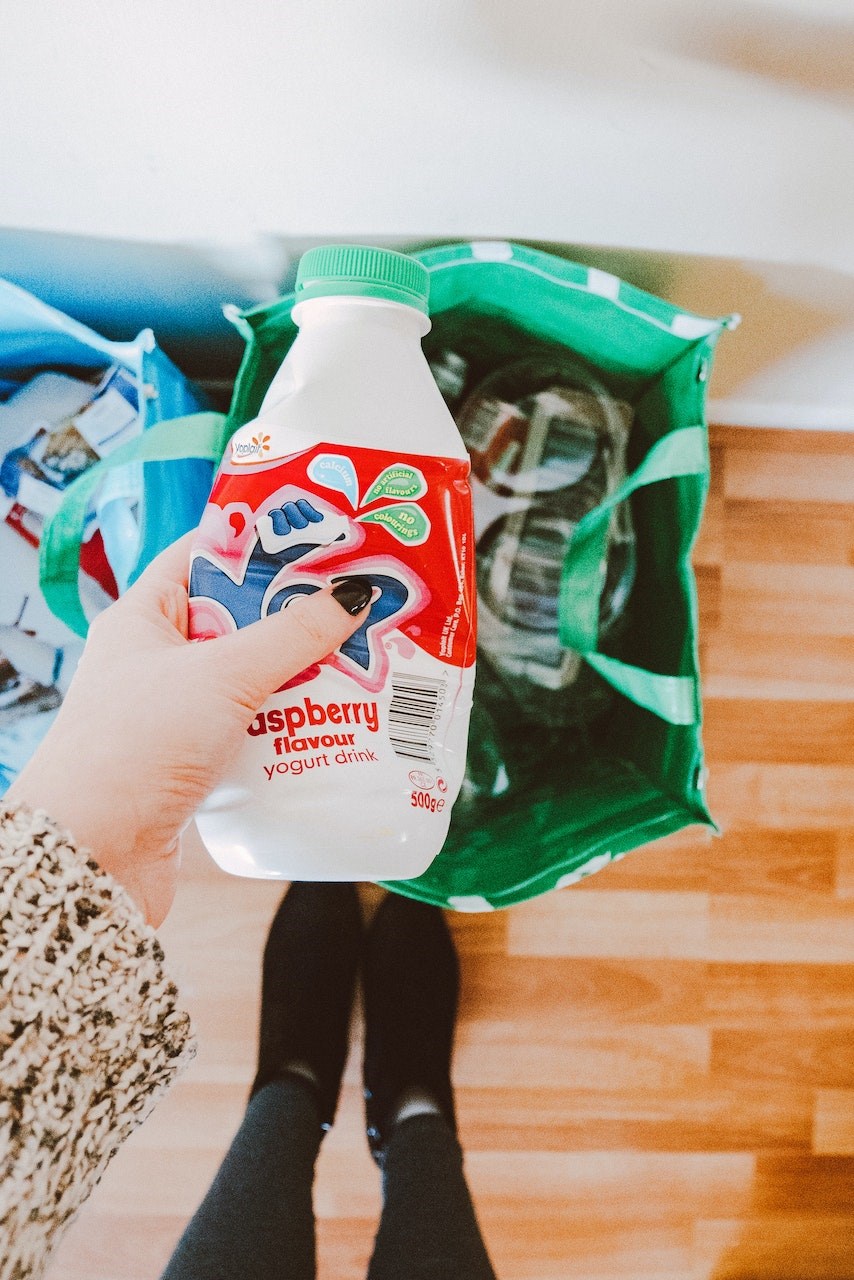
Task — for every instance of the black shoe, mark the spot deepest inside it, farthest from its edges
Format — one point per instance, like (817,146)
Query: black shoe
(310,965)
(411,983)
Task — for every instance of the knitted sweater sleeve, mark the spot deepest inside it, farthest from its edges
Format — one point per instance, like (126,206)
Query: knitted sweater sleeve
(91,1032)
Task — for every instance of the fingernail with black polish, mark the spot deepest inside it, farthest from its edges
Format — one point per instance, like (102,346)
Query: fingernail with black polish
(353,594)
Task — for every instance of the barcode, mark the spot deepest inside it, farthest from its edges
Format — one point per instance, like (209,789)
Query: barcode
(416,703)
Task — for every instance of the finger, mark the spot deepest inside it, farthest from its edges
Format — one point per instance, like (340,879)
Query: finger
(168,570)
(270,652)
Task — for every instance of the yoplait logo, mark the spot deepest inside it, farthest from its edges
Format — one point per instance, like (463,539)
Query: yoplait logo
(253,449)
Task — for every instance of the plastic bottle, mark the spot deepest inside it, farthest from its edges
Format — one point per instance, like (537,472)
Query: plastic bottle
(354,466)
(547,443)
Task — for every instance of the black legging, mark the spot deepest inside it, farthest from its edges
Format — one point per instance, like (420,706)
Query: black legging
(257,1222)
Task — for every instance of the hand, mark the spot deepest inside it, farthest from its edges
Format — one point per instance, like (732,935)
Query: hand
(152,721)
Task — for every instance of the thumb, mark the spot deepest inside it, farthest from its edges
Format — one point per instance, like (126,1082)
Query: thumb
(270,652)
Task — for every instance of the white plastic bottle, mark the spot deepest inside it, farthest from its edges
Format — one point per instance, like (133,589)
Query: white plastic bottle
(353,467)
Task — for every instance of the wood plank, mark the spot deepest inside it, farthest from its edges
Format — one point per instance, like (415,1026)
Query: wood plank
(779,732)
(136,1183)
(709,547)
(717,467)
(620,992)
(347,1187)
(776,796)
(779,1247)
(682,863)
(833,1129)
(845,865)
(194,1114)
(782,666)
(813,930)
(709,592)
(572,1250)
(773,689)
(765,443)
(105,1245)
(602,923)
(783,477)
(593,991)
(800,599)
(234,938)
(777,532)
(344,1247)
(688,926)
(610,1059)
(778,994)
(482,933)
(822,1185)
(628,1187)
(818,1059)
(708,1116)
(742,860)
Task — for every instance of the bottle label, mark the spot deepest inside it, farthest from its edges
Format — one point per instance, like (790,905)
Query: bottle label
(388,712)
(291,528)
(399,688)
(270,535)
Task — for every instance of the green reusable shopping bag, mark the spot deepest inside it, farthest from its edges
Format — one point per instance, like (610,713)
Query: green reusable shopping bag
(638,773)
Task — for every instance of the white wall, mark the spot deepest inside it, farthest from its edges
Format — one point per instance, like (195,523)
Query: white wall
(722,128)
(703,150)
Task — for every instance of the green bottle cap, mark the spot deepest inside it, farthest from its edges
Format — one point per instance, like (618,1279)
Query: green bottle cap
(362,272)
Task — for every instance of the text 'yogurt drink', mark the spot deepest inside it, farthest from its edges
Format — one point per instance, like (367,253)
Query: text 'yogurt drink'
(353,467)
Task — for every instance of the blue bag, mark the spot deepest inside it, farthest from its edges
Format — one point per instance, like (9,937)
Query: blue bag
(169,499)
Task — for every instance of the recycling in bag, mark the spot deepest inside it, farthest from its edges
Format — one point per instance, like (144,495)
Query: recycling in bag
(581,400)
(70,400)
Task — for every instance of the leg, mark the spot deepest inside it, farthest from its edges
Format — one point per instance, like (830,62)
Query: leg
(256,1222)
(411,981)
(428,1230)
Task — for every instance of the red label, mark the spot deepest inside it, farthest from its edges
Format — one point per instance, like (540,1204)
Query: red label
(277,530)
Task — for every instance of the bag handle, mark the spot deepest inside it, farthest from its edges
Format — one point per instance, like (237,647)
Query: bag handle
(202,436)
(682,452)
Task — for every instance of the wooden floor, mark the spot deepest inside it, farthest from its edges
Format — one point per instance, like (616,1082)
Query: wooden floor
(655,1068)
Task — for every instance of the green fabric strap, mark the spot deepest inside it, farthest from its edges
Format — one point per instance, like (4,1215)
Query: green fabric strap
(200,435)
(674,698)
(680,453)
